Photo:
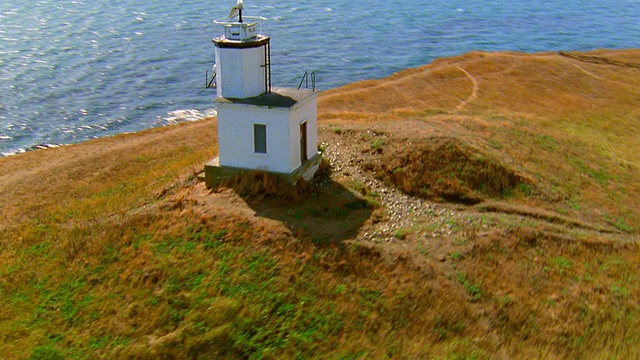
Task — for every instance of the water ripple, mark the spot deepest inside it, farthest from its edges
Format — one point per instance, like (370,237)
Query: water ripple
(74,70)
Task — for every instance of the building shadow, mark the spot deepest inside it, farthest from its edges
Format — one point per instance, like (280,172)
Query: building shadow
(322,211)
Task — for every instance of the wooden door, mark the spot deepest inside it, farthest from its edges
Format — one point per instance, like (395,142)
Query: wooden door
(303,142)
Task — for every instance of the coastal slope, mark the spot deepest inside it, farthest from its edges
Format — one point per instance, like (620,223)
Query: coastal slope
(482,206)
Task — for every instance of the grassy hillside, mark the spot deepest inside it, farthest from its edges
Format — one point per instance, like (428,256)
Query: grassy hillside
(483,206)
(570,126)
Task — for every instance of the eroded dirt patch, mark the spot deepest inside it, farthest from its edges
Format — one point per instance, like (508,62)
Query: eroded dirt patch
(444,169)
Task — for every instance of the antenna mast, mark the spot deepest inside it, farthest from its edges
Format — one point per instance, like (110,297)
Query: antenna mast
(236,10)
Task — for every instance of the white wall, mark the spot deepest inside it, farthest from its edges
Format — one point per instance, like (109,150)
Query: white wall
(235,137)
(239,72)
(305,111)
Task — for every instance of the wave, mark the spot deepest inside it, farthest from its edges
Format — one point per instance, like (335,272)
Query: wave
(178,116)
(106,129)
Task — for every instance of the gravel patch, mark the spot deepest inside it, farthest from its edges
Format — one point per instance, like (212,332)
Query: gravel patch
(404,217)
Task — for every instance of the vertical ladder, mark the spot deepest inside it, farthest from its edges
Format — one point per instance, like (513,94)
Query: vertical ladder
(267,67)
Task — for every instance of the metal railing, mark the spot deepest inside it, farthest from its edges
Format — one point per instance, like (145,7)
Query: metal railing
(219,24)
(209,84)
(305,80)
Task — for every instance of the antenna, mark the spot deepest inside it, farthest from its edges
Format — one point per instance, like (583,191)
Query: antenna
(236,11)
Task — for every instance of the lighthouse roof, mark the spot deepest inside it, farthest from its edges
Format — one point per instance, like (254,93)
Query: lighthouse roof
(278,97)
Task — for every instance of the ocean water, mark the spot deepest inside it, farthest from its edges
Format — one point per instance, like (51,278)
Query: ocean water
(76,70)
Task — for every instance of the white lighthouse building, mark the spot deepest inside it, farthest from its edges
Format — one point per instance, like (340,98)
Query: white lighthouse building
(260,127)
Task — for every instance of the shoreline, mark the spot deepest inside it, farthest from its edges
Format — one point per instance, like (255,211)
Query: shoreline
(189,115)
(439,180)
(173,118)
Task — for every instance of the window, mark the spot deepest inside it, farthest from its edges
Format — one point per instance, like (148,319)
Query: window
(260,138)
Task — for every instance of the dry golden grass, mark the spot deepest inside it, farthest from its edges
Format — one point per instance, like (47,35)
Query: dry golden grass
(109,249)
(442,170)
(34,184)
(570,125)
(559,294)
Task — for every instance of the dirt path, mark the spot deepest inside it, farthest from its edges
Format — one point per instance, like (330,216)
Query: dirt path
(474,92)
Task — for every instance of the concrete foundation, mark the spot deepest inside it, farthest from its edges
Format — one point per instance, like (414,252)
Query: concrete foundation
(214,174)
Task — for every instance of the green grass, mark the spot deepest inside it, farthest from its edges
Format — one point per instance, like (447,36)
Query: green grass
(561,264)
(116,263)
(202,288)
(474,290)
(377,143)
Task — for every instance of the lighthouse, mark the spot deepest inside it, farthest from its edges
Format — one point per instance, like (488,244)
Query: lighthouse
(260,127)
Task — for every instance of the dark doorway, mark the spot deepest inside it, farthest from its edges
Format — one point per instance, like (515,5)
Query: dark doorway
(303,142)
